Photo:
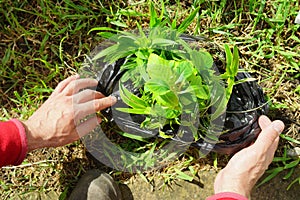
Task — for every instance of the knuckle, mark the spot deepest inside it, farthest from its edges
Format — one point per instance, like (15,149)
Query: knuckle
(98,104)
(70,100)
(73,85)
(79,114)
(91,92)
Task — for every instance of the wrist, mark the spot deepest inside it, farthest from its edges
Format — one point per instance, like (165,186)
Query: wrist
(33,141)
(227,183)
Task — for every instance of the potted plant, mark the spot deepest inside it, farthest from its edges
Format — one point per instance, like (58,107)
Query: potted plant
(177,87)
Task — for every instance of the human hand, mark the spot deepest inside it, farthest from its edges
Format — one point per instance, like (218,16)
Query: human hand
(248,165)
(57,121)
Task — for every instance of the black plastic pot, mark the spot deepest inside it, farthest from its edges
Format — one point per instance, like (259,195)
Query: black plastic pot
(241,127)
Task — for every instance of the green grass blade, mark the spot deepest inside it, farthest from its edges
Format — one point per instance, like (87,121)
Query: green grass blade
(272,175)
(153,16)
(185,24)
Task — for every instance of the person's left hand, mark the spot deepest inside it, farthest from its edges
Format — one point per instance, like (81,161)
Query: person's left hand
(57,121)
(248,165)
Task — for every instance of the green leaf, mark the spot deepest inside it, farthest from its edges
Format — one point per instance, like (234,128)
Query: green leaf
(201,60)
(141,32)
(280,159)
(132,136)
(232,61)
(119,24)
(183,175)
(293,182)
(195,80)
(192,170)
(186,99)
(141,55)
(159,68)
(108,51)
(230,84)
(168,99)
(292,164)
(163,135)
(153,16)
(272,175)
(218,99)
(157,87)
(235,62)
(140,68)
(201,91)
(185,24)
(138,111)
(288,175)
(171,114)
(245,80)
(215,161)
(131,99)
(228,59)
(166,113)
(289,139)
(102,29)
(154,125)
(161,42)
(211,137)
(106,35)
(184,69)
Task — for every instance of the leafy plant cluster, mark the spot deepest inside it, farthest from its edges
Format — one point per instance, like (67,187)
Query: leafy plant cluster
(174,79)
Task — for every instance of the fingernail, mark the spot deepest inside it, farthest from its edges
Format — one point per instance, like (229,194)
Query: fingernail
(278,126)
(114,99)
(265,120)
(76,76)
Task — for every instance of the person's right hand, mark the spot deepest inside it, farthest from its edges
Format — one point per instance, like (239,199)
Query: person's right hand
(58,121)
(248,165)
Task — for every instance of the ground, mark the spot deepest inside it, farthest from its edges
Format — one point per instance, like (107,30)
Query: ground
(137,188)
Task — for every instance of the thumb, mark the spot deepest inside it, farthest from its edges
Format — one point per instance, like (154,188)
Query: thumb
(268,135)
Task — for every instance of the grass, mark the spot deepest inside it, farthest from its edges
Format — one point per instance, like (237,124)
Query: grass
(43,42)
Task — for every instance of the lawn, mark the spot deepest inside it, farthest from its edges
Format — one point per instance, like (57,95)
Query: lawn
(43,42)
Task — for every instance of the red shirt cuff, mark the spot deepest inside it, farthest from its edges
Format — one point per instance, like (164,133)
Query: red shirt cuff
(23,140)
(227,196)
(13,143)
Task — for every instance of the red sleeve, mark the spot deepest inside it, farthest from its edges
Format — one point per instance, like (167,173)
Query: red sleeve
(13,143)
(227,196)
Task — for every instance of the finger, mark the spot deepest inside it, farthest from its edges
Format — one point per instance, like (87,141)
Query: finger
(93,106)
(87,95)
(87,126)
(74,86)
(268,135)
(264,121)
(271,152)
(61,86)
(274,146)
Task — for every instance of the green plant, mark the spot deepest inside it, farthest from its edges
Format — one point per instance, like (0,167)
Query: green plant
(173,77)
(284,163)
